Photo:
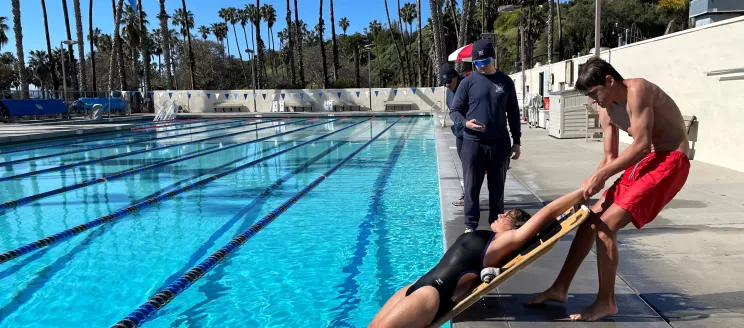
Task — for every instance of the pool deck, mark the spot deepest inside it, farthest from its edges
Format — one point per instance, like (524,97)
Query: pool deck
(29,131)
(682,270)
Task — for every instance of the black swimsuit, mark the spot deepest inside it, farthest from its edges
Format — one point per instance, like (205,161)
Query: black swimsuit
(465,256)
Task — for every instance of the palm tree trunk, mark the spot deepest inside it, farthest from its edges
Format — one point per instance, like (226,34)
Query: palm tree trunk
(118,49)
(298,38)
(356,66)
(253,68)
(55,81)
(92,50)
(240,55)
(397,50)
(82,77)
(116,41)
(438,30)
(291,37)
(407,54)
(333,44)
(322,46)
(191,53)
(560,31)
(165,34)
(259,46)
(420,44)
(465,18)
(550,31)
(145,44)
(19,47)
(71,57)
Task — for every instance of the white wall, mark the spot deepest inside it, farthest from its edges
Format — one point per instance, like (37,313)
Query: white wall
(678,63)
(423,98)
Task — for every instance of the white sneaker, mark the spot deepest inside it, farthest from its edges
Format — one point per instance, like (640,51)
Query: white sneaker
(469,230)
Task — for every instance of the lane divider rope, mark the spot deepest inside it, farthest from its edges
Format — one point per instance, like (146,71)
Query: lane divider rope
(125,173)
(160,299)
(7,256)
(130,153)
(240,124)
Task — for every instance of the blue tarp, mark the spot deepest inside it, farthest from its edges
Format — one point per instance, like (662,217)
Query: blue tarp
(87,103)
(34,107)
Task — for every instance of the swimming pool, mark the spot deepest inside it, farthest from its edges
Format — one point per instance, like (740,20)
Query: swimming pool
(369,226)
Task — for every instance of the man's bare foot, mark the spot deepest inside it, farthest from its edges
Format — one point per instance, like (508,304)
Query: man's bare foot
(596,311)
(551,294)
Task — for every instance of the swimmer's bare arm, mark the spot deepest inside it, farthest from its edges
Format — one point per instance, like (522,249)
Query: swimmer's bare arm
(544,216)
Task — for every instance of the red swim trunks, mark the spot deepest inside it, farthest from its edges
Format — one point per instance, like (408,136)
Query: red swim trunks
(646,187)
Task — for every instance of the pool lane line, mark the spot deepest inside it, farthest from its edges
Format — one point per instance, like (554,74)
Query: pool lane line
(349,285)
(240,124)
(106,137)
(158,126)
(162,298)
(30,199)
(258,201)
(130,153)
(7,256)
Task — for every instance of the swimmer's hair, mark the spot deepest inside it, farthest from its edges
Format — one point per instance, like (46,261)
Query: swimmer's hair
(521,217)
(593,73)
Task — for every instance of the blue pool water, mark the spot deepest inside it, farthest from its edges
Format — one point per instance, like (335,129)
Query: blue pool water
(331,260)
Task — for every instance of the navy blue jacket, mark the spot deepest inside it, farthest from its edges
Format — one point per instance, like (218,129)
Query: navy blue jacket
(490,100)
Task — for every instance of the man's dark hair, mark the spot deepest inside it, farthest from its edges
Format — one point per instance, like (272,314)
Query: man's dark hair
(593,73)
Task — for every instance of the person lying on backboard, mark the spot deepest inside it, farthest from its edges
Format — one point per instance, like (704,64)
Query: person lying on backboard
(458,271)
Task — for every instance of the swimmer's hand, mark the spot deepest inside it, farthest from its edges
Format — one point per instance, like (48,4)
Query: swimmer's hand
(474,125)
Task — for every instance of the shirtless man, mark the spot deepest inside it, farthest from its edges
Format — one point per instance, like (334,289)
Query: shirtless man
(655,167)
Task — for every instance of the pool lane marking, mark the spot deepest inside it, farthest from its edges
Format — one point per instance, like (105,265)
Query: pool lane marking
(125,173)
(240,124)
(156,302)
(7,256)
(78,139)
(136,152)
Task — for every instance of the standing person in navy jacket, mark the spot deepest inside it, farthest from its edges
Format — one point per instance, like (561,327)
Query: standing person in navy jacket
(451,79)
(484,102)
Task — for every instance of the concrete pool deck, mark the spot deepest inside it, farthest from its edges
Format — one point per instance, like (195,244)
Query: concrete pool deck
(682,270)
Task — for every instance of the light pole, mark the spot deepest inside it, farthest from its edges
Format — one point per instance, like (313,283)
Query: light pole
(368,49)
(64,71)
(597,16)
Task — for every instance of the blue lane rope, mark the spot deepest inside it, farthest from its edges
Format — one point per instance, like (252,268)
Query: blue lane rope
(167,294)
(118,135)
(125,173)
(7,256)
(240,124)
(110,157)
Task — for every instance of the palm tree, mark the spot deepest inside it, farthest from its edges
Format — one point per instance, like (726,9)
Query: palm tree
(224,13)
(19,47)
(163,16)
(269,16)
(157,47)
(117,45)
(420,44)
(4,27)
(437,30)
(321,29)
(55,82)
(131,33)
(118,48)
(38,63)
(220,32)
(204,32)
(82,86)
(259,44)
(408,14)
(291,37)
(245,17)
(71,58)
(550,31)
(103,43)
(334,45)
(344,24)
(232,14)
(145,44)
(187,23)
(298,38)
(91,39)
(397,50)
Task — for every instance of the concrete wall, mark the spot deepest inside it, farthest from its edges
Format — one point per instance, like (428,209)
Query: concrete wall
(423,98)
(679,63)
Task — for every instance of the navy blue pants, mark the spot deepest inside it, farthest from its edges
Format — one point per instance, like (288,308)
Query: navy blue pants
(477,158)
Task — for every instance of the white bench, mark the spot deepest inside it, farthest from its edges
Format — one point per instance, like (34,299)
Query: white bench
(230,107)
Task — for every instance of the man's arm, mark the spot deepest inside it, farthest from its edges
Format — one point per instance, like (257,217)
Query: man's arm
(512,112)
(641,125)
(546,215)
(459,105)
(610,134)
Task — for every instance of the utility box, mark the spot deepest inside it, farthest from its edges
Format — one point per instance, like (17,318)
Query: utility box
(568,115)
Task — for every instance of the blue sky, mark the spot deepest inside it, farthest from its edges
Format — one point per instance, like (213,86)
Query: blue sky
(359,13)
